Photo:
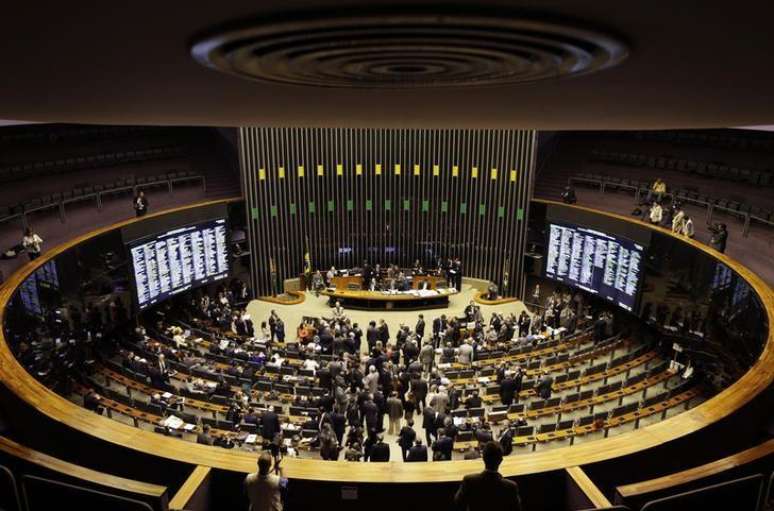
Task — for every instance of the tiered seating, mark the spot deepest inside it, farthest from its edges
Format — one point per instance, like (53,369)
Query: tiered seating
(98,193)
(638,188)
(576,363)
(714,170)
(707,138)
(687,194)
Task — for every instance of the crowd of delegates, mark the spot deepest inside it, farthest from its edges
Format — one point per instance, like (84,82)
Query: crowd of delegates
(376,278)
(64,341)
(388,385)
(374,383)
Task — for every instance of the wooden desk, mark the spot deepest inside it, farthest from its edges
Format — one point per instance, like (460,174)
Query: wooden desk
(355,282)
(371,300)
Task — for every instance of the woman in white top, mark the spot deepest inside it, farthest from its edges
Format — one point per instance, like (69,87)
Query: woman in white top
(678,221)
(688,227)
(656,213)
(32,243)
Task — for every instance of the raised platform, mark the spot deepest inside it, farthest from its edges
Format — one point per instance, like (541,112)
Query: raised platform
(481,298)
(287,298)
(379,300)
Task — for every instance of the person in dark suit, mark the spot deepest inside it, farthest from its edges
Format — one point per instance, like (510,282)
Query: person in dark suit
(384,332)
(339,423)
(371,413)
(442,448)
(419,329)
(488,490)
(544,386)
(507,390)
(506,439)
(270,424)
(406,438)
(474,401)
(456,268)
(429,423)
(372,335)
(418,452)
(419,389)
(380,452)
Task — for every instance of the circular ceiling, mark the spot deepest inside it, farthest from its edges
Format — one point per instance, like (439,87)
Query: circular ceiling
(408,51)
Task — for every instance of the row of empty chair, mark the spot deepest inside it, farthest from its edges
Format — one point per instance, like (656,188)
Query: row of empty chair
(725,140)
(98,159)
(741,210)
(714,170)
(98,192)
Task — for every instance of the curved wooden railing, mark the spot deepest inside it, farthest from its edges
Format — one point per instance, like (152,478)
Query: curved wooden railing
(92,478)
(646,490)
(755,380)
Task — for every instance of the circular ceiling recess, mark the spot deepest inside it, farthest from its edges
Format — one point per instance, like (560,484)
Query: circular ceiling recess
(408,51)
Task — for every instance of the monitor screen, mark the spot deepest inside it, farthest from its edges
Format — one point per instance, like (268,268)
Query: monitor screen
(178,260)
(597,262)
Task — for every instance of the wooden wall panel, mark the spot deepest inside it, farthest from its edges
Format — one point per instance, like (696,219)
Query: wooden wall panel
(389,196)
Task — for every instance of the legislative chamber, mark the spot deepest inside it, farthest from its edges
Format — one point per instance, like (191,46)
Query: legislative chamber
(282,257)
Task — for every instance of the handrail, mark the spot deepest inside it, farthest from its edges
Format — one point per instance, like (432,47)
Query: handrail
(693,474)
(192,484)
(587,486)
(68,469)
(754,381)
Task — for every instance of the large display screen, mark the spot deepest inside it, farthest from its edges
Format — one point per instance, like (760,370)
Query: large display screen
(178,260)
(597,262)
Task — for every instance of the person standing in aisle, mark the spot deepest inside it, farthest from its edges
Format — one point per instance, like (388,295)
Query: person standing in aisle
(140,204)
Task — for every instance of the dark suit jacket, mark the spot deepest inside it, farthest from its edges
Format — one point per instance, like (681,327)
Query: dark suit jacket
(420,328)
(428,419)
(406,437)
(507,389)
(380,452)
(444,445)
(544,387)
(417,453)
(270,426)
(371,413)
(488,491)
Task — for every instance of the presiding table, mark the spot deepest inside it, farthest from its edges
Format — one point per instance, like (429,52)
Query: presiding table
(414,299)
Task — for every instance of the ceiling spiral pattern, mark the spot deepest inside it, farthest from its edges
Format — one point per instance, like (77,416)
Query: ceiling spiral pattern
(408,51)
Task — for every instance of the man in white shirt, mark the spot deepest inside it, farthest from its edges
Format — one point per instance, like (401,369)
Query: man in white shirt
(264,488)
(311,364)
(32,243)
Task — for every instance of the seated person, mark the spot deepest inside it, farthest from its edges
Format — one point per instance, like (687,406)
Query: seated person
(656,214)
(474,401)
